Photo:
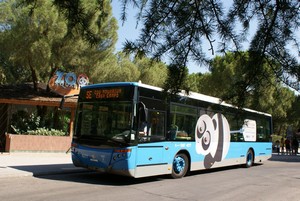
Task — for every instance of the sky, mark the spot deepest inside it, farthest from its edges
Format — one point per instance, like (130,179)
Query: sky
(130,31)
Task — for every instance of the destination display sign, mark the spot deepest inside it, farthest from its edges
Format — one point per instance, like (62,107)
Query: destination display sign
(103,93)
(114,93)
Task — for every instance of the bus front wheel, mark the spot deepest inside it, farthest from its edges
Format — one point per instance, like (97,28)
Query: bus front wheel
(180,166)
(249,158)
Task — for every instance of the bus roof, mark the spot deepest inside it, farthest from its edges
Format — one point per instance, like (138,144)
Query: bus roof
(193,95)
(110,84)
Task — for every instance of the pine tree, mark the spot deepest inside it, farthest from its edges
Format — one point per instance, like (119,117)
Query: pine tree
(36,39)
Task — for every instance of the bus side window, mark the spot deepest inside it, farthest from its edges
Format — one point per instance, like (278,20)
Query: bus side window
(185,120)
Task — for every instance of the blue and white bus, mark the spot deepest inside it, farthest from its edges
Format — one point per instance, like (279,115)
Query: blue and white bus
(137,130)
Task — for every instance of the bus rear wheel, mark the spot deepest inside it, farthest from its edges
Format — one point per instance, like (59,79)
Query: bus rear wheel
(180,166)
(249,158)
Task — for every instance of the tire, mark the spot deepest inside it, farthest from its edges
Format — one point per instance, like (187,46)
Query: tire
(180,166)
(249,159)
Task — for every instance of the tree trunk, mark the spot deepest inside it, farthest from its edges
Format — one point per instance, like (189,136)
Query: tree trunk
(34,78)
(53,70)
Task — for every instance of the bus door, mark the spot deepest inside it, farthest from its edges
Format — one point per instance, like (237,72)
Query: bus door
(151,148)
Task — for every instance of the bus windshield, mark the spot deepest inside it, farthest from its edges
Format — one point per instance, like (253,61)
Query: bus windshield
(104,121)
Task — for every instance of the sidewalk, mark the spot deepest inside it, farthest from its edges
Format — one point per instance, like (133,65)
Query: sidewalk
(285,158)
(36,164)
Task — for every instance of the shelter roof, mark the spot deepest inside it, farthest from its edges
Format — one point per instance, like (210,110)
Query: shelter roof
(26,95)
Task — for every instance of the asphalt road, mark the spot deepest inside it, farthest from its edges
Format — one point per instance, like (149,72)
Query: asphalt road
(277,179)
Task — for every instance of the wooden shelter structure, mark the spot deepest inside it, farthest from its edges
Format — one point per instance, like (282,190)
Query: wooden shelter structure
(12,96)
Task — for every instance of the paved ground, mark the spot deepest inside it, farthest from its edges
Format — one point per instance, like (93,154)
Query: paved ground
(36,164)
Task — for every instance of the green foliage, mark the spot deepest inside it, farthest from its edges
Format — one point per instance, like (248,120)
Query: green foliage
(276,138)
(293,116)
(179,29)
(122,68)
(56,119)
(266,94)
(151,72)
(37,39)
(23,122)
(176,81)
(126,70)
(2,76)
(46,132)
(38,36)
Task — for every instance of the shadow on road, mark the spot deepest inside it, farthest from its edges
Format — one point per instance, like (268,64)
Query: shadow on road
(92,177)
(47,169)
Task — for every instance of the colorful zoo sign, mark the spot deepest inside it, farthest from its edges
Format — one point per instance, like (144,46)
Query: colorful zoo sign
(67,83)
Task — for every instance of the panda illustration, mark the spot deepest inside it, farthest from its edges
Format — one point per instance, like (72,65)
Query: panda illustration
(212,135)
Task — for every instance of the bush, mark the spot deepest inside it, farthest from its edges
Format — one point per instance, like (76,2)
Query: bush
(46,132)
(22,121)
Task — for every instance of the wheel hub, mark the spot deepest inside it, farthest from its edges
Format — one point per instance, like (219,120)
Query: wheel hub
(179,164)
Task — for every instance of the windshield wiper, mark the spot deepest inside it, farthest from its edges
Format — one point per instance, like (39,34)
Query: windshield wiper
(117,142)
(120,141)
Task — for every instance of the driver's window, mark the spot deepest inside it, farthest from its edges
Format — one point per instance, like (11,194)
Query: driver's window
(152,129)
(156,123)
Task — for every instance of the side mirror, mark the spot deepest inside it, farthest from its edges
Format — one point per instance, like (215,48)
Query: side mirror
(143,112)
(62,102)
